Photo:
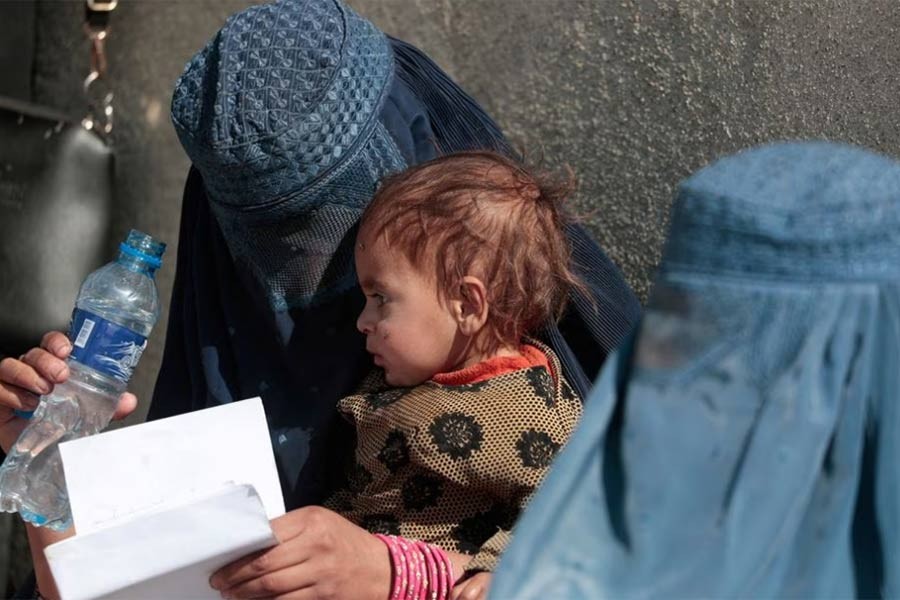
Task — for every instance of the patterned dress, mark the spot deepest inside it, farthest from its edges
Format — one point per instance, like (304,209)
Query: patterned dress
(453,465)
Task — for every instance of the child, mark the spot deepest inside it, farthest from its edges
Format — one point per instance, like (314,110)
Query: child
(460,260)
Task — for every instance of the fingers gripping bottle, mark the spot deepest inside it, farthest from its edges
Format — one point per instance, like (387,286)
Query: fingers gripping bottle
(116,308)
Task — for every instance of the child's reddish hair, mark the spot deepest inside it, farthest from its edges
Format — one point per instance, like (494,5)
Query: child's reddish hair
(482,214)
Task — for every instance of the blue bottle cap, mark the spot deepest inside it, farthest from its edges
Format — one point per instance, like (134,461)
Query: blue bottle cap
(143,247)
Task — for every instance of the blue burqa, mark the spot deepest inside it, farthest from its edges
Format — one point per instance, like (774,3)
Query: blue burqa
(291,115)
(744,442)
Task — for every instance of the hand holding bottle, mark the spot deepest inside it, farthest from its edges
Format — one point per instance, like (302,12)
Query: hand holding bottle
(116,308)
(24,380)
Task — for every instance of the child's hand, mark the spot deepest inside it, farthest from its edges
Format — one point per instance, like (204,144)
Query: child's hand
(473,588)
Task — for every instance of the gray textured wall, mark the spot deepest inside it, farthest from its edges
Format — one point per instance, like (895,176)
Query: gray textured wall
(633,94)
(636,94)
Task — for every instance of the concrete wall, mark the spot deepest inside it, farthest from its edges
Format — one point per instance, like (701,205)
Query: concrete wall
(636,94)
(633,94)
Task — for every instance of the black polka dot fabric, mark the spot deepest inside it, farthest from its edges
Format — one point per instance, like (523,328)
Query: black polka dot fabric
(454,465)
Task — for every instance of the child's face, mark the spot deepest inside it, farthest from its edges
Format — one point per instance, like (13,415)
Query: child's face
(409,331)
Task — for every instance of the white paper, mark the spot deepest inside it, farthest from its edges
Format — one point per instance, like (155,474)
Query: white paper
(158,507)
(168,553)
(169,461)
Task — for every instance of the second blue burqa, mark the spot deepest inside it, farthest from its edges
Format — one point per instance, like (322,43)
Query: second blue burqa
(744,443)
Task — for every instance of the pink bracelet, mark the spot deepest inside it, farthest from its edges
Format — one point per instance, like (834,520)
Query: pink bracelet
(410,562)
(421,574)
(439,587)
(445,568)
(432,570)
(420,571)
(396,566)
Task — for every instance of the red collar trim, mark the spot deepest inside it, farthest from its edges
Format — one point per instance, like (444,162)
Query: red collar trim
(529,356)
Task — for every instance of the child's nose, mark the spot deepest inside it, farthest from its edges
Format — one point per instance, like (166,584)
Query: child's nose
(364,323)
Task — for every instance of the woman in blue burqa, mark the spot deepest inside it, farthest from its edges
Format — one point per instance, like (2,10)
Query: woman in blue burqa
(744,443)
(291,115)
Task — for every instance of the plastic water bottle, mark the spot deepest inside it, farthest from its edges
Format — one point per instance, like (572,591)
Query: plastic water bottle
(116,308)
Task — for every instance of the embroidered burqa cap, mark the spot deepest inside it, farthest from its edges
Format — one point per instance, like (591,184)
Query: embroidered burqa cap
(282,115)
(743,443)
(291,114)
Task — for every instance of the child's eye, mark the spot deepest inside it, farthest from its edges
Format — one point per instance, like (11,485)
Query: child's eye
(379,299)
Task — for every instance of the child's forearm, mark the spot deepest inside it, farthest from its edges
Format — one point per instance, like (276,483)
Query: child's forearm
(38,539)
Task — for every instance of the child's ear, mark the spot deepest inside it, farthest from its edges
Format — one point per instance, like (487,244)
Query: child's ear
(470,308)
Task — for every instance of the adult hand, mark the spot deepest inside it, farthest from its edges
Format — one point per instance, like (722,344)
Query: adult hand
(473,588)
(319,554)
(24,380)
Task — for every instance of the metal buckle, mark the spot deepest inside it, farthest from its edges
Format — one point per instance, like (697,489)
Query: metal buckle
(102,5)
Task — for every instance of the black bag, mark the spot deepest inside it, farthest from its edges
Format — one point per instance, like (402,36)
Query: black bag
(56,181)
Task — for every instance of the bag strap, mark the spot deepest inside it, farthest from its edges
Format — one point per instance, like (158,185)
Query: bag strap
(99,94)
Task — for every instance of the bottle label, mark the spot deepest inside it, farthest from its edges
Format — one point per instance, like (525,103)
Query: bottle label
(105,346)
